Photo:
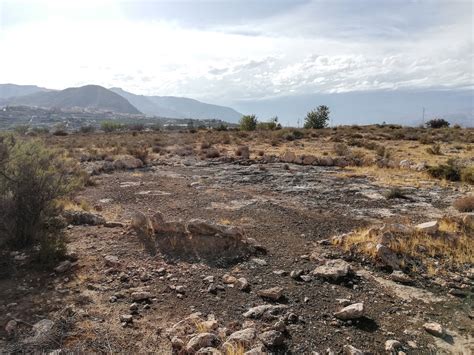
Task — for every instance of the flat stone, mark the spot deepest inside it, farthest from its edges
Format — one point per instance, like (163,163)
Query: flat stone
(258,311)
(333,269)
(273,293)
(434,329)
(244,336)
(353,311)
(430,227)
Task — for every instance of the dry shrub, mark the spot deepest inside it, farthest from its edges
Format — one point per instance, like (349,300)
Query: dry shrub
(139,153)
(212,153)
(341,149)
(243,151)
(464,204)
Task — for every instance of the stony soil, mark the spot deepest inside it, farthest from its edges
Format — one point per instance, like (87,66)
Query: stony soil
(287,209)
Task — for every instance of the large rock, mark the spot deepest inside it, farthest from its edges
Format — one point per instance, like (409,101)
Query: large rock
(195,241)
(272,338)
(387,256)
(244,336)
(333,269)
(430,227)
(353,311)
(126,162)
(203,340)
(434,329)
(259,311)
(273,293)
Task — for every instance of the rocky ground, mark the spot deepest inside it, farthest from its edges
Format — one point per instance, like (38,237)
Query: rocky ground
(294,293)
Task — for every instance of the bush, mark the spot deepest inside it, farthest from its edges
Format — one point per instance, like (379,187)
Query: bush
(110,126)
(464,204)
(271,125)
(341,149)
(87,129)
(437,123)
(449,171)
(467,175)
(435,149)
(317,118)
(32,179)
(248,123)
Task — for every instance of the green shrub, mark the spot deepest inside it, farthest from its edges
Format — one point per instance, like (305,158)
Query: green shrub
(318,118)
(32,179)
(449,171)
(467,175)
(437,123)
(110,126)
(248,123)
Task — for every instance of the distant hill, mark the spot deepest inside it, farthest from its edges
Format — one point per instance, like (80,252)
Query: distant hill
(179,107)
(89,96)
(11,90)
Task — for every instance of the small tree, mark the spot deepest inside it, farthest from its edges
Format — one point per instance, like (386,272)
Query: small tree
(318,118)
(437,123)
(248,123)
(32,179)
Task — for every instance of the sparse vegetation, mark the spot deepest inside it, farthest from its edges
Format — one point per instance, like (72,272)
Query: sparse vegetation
(464,204)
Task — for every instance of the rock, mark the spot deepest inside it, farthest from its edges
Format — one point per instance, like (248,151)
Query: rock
(428,227)
(392,345)
(280,326)
(112,261)
(126,162)
(259,262)
(43,332)
(243,284)
(209,279)
(63,267)
(180,289)
(387,256)
(405,164)
(126,318)
(273,293)
(177,343)
(350,350)
(296,274)
(434,329)
(468,220)
(280,272)
(202,340)
(79,218)
(258,311)
(114,224)
(272,338)
(333,269)
(229,279)
(244,336)
(133,307)
(11,327)
(353,311)
(306,278)
(401,277)
(259,350)
(141,296)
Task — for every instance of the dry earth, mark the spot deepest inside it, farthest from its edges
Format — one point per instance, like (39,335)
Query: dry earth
(291,210)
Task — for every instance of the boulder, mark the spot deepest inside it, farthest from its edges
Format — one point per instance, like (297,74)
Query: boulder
(333,269)
(273,293)
(430,227)
(272,338)
(353,311)
(387,256)
(244,336)
(203,340)
(434,329)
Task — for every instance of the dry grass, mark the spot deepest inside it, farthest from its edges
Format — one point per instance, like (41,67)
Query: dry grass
(451,248)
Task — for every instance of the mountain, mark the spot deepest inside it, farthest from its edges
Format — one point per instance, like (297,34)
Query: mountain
(178,107)
(89,96)
(11,90)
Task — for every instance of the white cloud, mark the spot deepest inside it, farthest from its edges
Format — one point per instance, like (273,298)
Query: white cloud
(298,52)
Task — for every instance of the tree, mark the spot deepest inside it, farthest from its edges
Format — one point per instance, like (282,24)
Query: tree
(437,123)
(318,118)
(248,123)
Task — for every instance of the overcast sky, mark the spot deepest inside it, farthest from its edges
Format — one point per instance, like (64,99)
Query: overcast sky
(237,50)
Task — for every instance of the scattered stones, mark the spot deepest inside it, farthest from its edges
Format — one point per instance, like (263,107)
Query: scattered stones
(434,329)
(272,338)
(273,293)
(353,311)
(333,269)
(392,345)
(430,227)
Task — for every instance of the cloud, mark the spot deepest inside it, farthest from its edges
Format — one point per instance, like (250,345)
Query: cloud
(230,51)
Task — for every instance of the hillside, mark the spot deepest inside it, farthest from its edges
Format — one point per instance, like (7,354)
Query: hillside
(89,96)
(11,90)
(179,107)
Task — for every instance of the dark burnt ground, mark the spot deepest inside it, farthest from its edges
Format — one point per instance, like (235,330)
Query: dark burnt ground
(286,211)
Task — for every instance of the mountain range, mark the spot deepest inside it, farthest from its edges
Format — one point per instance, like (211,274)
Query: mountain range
(115,100)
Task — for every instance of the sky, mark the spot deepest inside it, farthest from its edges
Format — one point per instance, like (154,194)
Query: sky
(239,52)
